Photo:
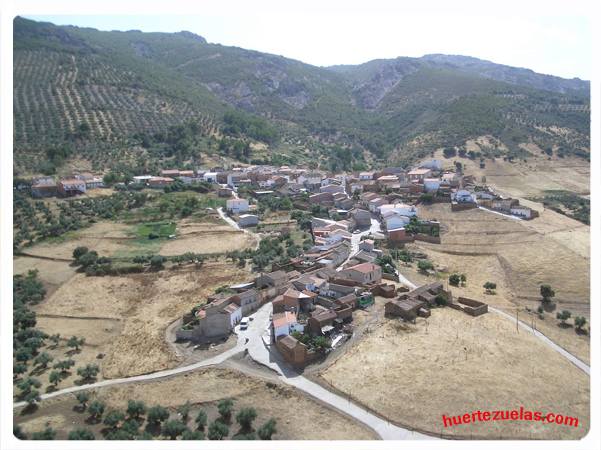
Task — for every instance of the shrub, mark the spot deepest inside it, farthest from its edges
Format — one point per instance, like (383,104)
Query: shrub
(82,398)
(225,409)
(96,409)
(81,434)
(580,322)
(173,428)
(424,265)
(201,420)
(267,430)
(490,287)
(454,279)
(113,419)
(245,418)
(564,315)
(218,430)
(189,435)
(157,415)
(135,409)
(546,292)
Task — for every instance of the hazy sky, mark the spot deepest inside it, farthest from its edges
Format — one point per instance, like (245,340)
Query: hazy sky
(543,36)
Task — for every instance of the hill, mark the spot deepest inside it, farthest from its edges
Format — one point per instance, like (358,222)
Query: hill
(124,97)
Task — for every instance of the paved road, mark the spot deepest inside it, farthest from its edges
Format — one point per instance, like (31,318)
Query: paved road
(356,240)
(573,359)
(260,350)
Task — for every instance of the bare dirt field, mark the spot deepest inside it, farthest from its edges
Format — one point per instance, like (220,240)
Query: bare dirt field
(298,417)
(452,364)
(521,179)
(518,256)
(106,238)
(206,238)
(137,308)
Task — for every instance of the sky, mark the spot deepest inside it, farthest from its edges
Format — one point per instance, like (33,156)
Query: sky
(542,36)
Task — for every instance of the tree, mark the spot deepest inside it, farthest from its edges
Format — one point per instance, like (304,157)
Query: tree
(267,430)
(424,265)
(135,409)
(87,259)
(19,369)
(252,436)
(131,427)
(225,409)
(490,287)
(55,338)
(32,397)
(26,384)
(96,409)
(23,354)
(173,428)
(218,430)
(47,435)
(184,411)
(82,397)
(201,420)
(189,435)
(79,252)
(81,434)
(245,418)
(454,279)
(75,342)
(546,292)
(156,262)
(580,322)
(157,415)
(113,419)
(54,377)
(64,365)
(88,372)
(564,315)
(42,360)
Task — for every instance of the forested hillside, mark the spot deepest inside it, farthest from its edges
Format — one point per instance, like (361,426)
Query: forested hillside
(127,97)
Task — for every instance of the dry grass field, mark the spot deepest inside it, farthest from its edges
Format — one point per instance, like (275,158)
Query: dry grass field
(298,417)
(138,309)
(206,238)
(519,256)
(453,364)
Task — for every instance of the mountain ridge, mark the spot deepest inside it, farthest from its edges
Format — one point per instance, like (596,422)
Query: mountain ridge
(123,83)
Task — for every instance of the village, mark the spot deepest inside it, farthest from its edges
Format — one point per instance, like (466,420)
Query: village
(351,257)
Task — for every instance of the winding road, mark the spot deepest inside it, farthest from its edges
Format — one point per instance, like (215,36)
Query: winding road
(256,341)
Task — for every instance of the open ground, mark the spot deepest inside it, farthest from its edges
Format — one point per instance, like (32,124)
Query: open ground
(298,417)
(453,364)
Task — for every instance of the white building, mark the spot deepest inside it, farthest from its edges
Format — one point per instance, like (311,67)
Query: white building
(400,208)
(285,323)
(237,205)
(521,211)
(393,220)
(431,184)
(463,196)
(210,177)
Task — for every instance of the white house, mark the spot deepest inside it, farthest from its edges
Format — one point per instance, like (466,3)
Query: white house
(235,313)
(142,178)
(285,323)
(400,208)
(375,204)
(237,205)
(521,211)
(366,176)
(210,177)
(463,196)
(393,220)
(431,184)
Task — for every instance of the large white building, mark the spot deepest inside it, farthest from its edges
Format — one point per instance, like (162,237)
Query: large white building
(237,205)
(400,208)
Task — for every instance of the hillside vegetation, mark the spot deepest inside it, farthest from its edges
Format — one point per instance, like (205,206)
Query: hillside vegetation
(114,97)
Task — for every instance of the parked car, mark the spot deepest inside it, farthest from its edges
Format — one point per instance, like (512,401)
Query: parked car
(244,323)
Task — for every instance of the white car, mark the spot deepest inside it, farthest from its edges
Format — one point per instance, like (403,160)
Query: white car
(244,323)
